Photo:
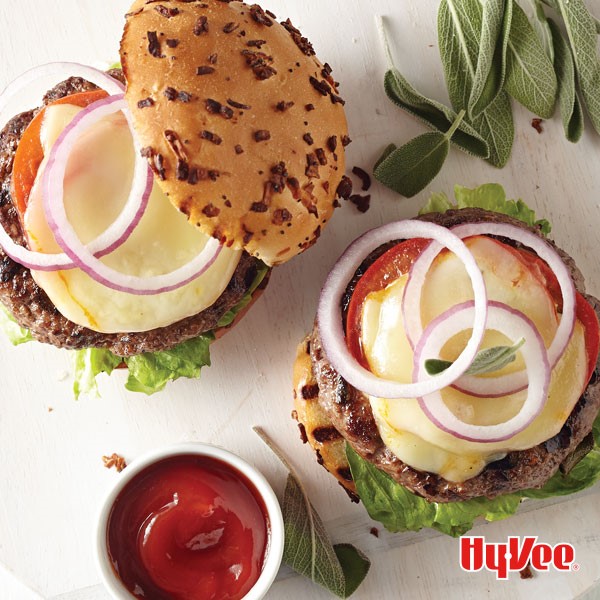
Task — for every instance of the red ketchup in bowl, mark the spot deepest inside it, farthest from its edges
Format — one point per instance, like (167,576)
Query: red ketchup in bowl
(188,528)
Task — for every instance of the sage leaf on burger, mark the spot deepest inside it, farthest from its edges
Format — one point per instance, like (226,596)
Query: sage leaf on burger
(340,568)
(486,361)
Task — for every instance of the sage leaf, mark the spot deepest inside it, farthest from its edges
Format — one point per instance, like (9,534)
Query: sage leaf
(486,361)
(354,564)
(494,359)
(410,168)
(496,126)
(530,76)
(542,28)
(491,62)
(569,104)
(554,4)
(307,547)
(433,114)
(459,33)
(430,112)
(581,31)
(388,150)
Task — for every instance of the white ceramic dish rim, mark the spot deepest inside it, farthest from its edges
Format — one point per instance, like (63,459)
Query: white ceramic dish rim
(274,551)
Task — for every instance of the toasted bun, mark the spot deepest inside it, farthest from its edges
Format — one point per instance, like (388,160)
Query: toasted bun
(316,427)
(210,86)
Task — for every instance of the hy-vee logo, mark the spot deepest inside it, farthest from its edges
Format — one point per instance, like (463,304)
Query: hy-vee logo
(514,555)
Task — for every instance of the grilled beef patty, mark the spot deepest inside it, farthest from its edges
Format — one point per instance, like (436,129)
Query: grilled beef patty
(32,308)
(350,411)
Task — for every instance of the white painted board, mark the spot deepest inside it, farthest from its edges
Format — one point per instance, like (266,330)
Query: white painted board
(52,473)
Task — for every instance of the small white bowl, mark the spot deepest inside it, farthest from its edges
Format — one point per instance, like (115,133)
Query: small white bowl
(274,551)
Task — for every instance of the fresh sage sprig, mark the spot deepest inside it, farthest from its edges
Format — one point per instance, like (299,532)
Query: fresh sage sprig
(434,114)
(412,167)
(490,51)
(569,104)
(340,568)
(459,34)
(486,361)
(530,77)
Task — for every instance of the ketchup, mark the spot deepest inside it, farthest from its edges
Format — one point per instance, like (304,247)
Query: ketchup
(188,528)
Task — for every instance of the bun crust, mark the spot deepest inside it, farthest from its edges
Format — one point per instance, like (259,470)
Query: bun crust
(240,122)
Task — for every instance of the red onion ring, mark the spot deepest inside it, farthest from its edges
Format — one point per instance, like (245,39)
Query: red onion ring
(143,180)
(515,325)
(330,321)
(108,241)
(493,387)
(60,69)
(66,237)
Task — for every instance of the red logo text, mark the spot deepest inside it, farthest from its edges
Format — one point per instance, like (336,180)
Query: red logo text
(514,555)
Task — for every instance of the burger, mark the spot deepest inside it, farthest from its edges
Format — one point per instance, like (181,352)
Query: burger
(453,367)
(143,208)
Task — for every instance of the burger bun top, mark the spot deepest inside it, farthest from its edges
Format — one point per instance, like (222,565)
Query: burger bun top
(241,123)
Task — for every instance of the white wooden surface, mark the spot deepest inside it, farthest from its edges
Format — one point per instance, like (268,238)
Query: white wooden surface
(52,474)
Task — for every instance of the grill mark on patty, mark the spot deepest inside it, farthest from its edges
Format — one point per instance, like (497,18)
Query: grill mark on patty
(326,434)
(345,473)
(32,308)
(310,392)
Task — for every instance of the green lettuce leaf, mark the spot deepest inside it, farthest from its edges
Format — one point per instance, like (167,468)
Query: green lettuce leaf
(398,509)
(490,196)
(88,364)
(150,372)
(14,332)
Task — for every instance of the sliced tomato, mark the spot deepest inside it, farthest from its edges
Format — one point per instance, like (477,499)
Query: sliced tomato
(385,270)
(397,261)
(29,154)
(589,319)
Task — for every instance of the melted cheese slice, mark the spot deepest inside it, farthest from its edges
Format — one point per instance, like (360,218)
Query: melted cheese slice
(97,183)
(403,426)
